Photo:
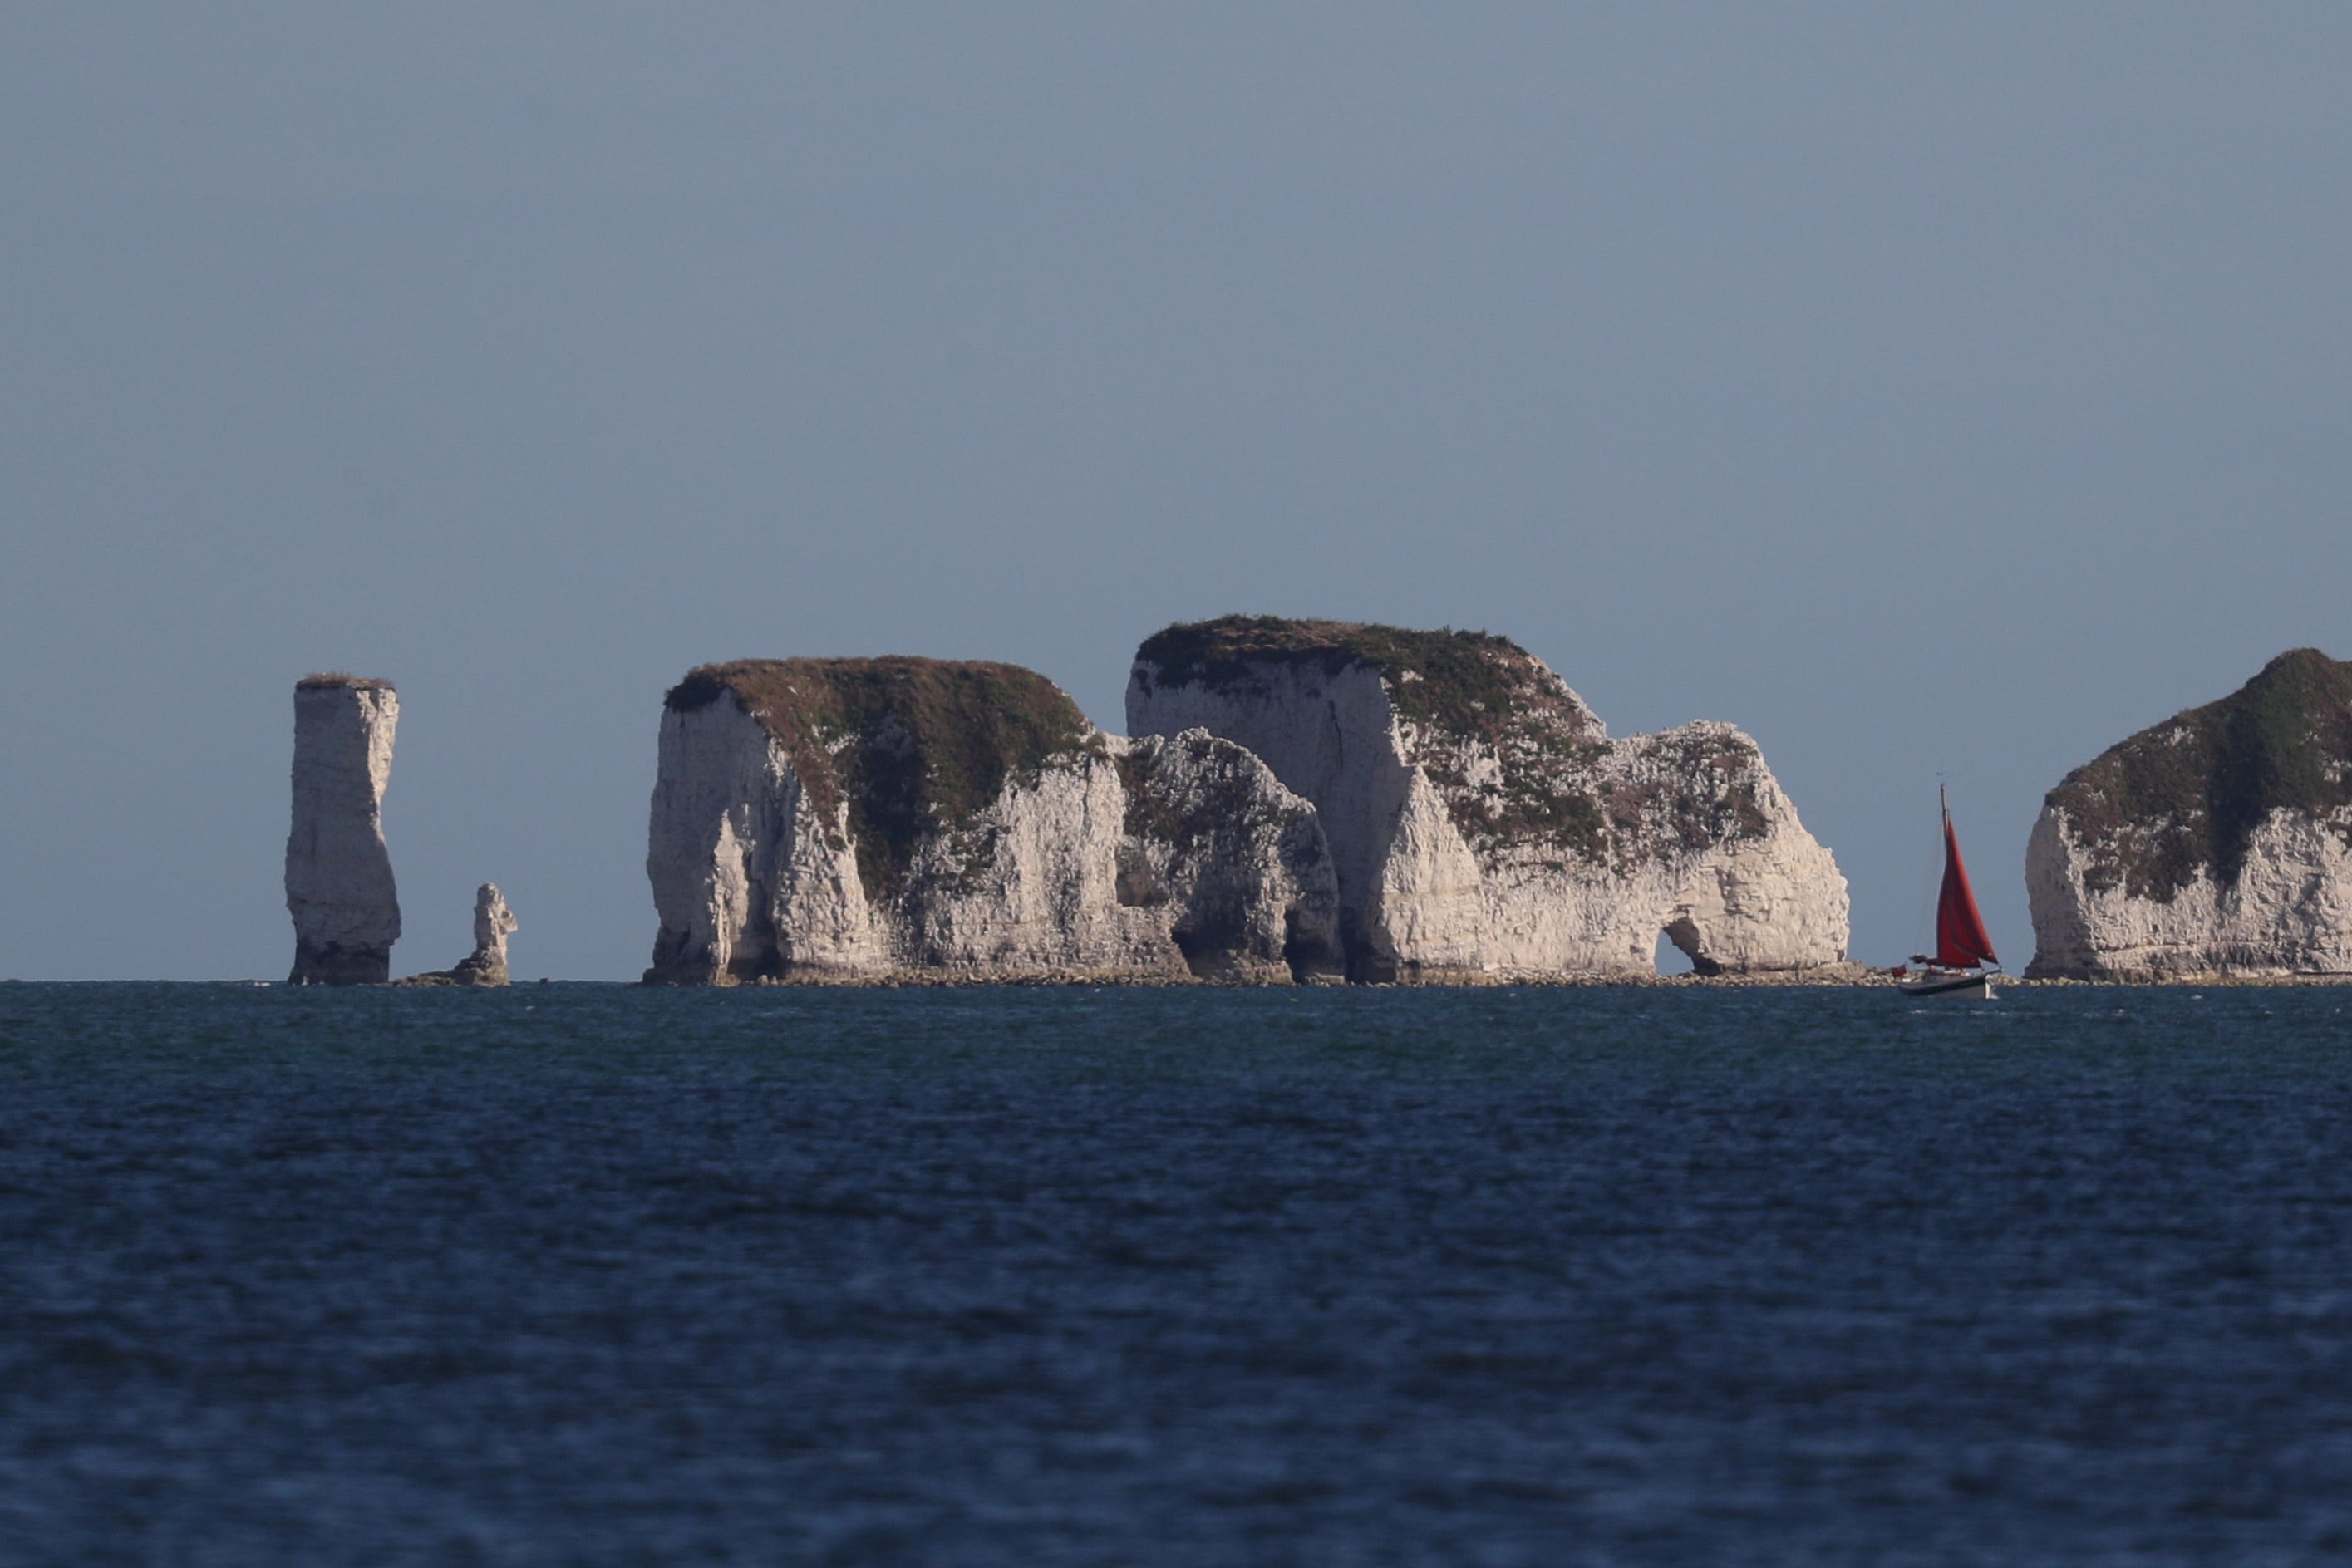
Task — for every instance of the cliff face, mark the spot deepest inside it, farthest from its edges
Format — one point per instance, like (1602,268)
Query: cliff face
(859,819)
(339,885)
(1482,821)
(2219,841)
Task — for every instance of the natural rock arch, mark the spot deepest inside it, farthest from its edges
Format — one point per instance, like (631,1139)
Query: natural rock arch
(1684,933)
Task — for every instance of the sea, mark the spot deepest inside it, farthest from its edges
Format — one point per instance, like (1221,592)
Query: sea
(1674,1275)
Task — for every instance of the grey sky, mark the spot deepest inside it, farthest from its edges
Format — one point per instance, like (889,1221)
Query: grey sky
(1952,388)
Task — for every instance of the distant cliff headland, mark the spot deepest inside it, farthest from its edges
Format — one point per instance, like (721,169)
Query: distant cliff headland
(2216,843)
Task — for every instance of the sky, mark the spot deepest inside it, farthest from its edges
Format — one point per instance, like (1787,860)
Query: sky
(1937,391)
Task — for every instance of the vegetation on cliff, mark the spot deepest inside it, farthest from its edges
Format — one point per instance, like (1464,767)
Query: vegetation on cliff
(340,679)
(2187,794)
(1470,684)
(1470,697)
(914,746)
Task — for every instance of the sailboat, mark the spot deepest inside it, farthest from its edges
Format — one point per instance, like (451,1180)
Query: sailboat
(1962,948)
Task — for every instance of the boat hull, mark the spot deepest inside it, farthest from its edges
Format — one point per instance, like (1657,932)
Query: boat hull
(1949,986)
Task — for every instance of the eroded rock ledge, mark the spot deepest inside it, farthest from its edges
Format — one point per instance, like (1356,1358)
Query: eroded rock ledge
(1484,824)
(861,819)
(2217,842)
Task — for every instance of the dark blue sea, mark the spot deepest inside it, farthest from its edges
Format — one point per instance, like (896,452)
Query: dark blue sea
(591,1274)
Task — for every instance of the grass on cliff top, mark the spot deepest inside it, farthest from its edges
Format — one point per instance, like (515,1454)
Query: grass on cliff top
(913,745)
(341,680)
(1455,687)
(2190,791)
(1466,684)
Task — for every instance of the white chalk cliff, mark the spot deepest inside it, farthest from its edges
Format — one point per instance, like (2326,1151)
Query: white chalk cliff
(2217,842)
(868,819)
(1483,823)
(339,885)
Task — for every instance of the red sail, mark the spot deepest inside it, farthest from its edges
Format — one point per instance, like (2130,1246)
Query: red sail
(1960,939)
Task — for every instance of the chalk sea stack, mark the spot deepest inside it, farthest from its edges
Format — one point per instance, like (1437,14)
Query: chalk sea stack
(339,885)
(900,818)
(493,923)
(1484,824)
(2217,842)
(487,964)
